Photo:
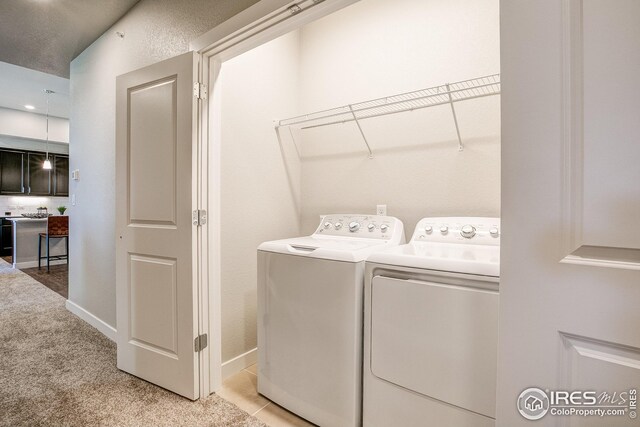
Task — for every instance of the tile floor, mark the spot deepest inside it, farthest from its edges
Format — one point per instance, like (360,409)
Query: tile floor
(242,389)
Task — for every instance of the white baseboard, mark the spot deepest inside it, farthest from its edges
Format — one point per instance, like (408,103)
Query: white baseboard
(108,330)
(32,264)
(238,363)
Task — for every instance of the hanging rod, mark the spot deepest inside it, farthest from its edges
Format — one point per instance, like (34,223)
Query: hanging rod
(449,93)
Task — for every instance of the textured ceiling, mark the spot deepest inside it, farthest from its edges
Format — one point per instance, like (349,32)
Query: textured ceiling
(46,35)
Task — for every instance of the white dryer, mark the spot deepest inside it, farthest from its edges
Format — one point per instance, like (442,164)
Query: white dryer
(431,327)
(310,305)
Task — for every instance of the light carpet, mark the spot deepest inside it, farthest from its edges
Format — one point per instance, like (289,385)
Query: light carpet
(56,370)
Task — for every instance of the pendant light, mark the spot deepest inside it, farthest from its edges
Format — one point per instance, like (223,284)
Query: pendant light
(47,163)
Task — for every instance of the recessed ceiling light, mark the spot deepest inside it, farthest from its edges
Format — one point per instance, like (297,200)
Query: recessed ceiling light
(29,107)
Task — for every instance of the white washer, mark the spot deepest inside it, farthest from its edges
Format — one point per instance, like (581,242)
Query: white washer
(431,327)
(310,296)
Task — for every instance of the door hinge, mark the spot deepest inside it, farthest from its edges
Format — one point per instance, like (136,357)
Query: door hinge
(199,217)
(199,90)
(200,343)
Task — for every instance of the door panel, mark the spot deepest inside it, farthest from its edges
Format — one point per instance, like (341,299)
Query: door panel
(610,122)
(154,307)
(153,127)
(156,286)
(602,116)
(61,176)
(12,172)
(570,264)
(614,368)
(39,179)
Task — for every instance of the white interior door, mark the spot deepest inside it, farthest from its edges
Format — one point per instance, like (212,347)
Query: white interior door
(570,266)
(157,316)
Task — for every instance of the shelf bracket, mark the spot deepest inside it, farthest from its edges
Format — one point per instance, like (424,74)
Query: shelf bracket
(277,129)
(455,118)
(355,119)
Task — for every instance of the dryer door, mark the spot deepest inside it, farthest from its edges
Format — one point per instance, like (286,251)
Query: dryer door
(436,339)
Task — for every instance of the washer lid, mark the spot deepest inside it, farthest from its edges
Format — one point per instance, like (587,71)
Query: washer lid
(333,248)
(451,257)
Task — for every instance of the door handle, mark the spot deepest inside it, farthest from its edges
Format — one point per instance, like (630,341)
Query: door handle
(302,249)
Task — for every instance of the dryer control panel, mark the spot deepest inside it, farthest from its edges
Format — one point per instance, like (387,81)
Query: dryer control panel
(466,230)
(362,226)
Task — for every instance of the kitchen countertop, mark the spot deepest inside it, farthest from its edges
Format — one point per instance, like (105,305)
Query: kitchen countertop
(22,218)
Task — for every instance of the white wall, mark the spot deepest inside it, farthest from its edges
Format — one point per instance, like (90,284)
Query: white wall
(33,125)
(260,183)
(154,30)
(377,48)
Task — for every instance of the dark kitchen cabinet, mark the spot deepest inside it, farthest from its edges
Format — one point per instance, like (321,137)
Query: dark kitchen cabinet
(11,172)
(21,173)
(60,176)
(38,179)
(6,237)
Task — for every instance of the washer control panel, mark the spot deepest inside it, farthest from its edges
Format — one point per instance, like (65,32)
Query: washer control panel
(363,226)
(468,230)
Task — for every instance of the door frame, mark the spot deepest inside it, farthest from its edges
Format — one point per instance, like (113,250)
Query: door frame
(256,25)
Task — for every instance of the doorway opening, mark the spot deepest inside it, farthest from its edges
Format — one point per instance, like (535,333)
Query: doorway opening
(270,179)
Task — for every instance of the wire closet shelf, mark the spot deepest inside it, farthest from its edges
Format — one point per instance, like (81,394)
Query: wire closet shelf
(449,93)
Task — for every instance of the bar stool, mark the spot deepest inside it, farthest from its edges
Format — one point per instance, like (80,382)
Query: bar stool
(57,228)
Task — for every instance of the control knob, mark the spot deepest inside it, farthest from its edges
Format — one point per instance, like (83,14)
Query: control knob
(444,229)
(338,225)
(468,231)
(428,229)
(327,224)
(494,231)
(371,227)
(353,226)
(384,228)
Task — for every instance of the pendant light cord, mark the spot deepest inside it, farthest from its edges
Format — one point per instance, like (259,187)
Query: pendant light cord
(47,163)
(47,142)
